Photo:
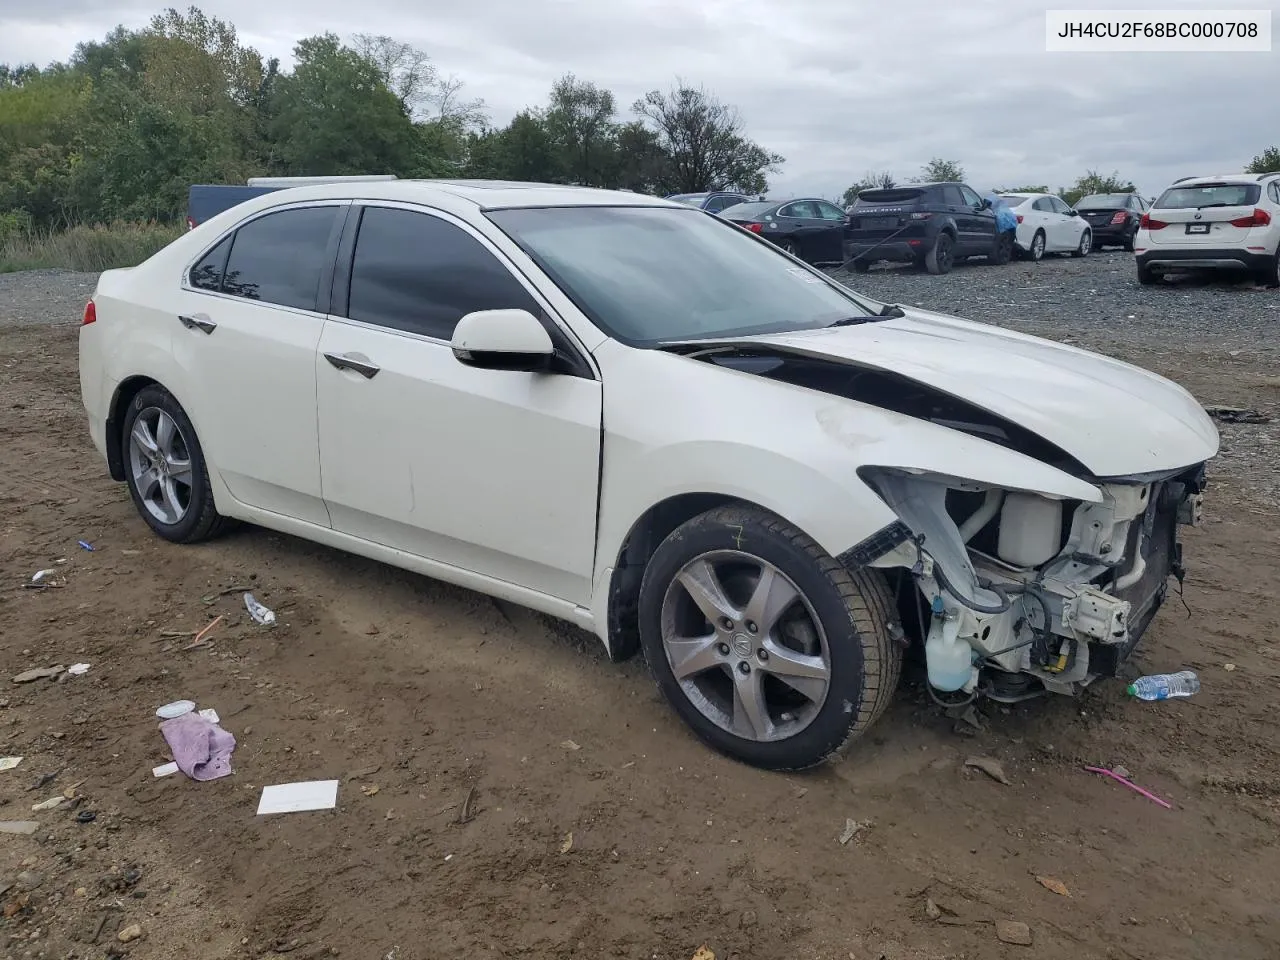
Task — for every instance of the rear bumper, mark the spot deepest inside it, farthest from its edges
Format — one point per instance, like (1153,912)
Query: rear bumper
(1106,233)
(1232,258)
(898,251)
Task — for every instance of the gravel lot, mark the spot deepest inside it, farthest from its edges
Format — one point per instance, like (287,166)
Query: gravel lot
(597,826)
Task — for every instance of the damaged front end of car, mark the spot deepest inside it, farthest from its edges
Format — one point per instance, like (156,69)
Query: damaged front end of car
(1018,592)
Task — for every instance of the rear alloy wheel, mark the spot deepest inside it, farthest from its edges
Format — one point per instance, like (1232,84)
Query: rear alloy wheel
(1037,246)
(1085,245)
(789,246)
(940,258)
(1002,252)
(165,469)
(771,650)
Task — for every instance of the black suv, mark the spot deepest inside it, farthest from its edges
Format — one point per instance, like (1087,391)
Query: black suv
(933,225)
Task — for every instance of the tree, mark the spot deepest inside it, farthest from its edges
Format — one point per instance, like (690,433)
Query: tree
(1268,161)
(580,121)
(334,115)
(872,181)
(704,142)
(1093,182)
(1035,188)
(938,170)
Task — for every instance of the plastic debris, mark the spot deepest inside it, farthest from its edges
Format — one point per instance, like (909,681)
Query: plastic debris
(85,545)
(1165,686)
(8,763)
(164,770)
(176,709)
(51,804)
(851,829)
(299,797)
(258,612)
(78,669)
(210,714)
(570,745)
(86,816)
(41,574)
(1132,786)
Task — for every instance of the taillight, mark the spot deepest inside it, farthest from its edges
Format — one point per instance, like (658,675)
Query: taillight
(921,216)
(1150,223)
(1019,218)
(191,223)
(90,314)
(1259,218)
(753,227)
(1119,217)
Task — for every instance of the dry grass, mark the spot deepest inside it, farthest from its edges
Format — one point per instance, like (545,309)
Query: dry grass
(89,249)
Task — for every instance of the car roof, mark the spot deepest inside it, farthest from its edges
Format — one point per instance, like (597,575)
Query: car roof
(1223,177)
(484,194)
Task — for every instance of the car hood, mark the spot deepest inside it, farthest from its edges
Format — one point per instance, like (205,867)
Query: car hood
(1116,419)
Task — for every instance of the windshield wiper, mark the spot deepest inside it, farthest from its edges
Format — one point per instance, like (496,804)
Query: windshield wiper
(889,310)
(1206,206)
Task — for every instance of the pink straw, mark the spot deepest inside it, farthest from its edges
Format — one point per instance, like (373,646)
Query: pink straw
(1132,786)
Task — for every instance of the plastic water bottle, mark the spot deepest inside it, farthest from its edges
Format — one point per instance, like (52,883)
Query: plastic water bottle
(1165,686)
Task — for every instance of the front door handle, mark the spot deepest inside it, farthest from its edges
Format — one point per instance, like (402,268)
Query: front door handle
(344,362)
(198,321)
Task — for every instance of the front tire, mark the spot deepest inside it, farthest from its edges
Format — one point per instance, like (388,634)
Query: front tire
(940,257)
(1084,246)
(165,469)
(771,650)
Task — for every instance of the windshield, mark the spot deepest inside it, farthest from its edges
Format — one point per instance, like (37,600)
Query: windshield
(1013,200)
(1104,201)
(651,275)
(691,199)
(1210,195)
(900,195)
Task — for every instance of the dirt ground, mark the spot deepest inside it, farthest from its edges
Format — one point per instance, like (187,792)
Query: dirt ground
(599,827)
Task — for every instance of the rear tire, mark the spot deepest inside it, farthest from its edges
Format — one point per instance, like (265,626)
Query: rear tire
(789,246)
(1270,276)
(1002,252)
(1036,253)
(859,266)
(1146,276)
(1085,245)
(939,258)
(1128,242)
(165,469)
(813,603)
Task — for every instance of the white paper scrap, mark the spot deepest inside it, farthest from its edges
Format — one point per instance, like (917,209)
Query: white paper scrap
(299,797)
(210,714)
(78,669)
(165,770)
(8,763)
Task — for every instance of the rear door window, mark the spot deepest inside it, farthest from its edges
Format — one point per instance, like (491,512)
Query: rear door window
(952,196)
(421,274)
(279,258)
(207,273)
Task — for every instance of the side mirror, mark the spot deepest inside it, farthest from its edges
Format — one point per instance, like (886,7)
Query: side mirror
(986,204)
(503,340)
(1072,212)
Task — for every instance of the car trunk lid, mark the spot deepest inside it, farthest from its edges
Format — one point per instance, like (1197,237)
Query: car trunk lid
(1211,214)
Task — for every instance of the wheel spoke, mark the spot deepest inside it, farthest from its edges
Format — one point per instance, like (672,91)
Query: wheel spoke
(179,470)
(772,595)
(750,712)
(141,435)
(148,487)
(807,675)
(702,583)
(165,432)
(693,656)
(169,498)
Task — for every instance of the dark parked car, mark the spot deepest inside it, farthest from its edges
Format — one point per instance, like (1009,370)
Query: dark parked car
(712,202)
(1113,218)
(808,228)
(933,225)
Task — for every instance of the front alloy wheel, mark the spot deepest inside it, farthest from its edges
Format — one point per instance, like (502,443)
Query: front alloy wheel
(770,649)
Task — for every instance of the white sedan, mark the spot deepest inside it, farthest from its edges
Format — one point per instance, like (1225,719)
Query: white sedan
(1047,225)
(647,421)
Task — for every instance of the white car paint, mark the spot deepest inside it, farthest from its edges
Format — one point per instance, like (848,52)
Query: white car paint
(527,485)
(1049,215)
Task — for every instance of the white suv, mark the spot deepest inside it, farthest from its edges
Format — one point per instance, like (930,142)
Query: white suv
(1228,222)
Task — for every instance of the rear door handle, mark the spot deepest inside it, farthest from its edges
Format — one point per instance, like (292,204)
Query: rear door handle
(344,362)
(198,321)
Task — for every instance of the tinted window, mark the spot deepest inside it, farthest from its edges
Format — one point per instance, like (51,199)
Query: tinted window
(1104,201)
(422,274)
(689,199)
(1059,206)
(720,203)
(952,197)
(802,209)
(1013,201)
(279,258)
(1210,195)
(745,211)
(970,197)
(829,211)
(893,195)
(207,274)
(715,279)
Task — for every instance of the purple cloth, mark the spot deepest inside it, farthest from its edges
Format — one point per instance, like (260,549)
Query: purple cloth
(201,748)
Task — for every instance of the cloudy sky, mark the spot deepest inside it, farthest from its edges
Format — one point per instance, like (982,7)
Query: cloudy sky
(837,87)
